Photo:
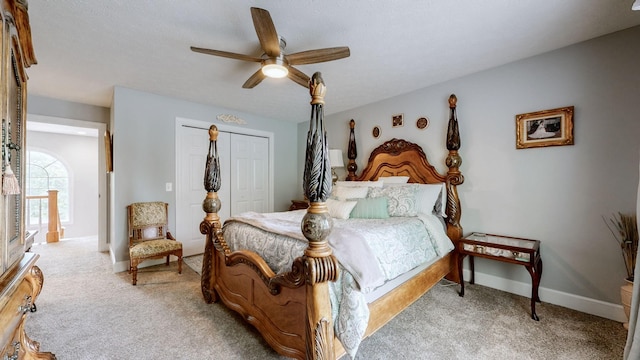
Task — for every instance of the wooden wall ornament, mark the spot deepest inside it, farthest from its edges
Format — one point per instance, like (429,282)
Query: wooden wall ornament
(422,123)
(108,150)
(397,120)
(375,132)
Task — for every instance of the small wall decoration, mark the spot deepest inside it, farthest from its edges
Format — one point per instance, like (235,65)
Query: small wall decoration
(545,128)
(228,118)
(397,120)
(422,123)
(108,151)
(376,132)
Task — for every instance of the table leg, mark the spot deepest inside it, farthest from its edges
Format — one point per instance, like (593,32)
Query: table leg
(535,283)
(460,258)
(539,268)
(472,267)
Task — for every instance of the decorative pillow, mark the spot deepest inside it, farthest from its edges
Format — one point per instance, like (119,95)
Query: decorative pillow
(427,196)
(402,199)
(377,183)
(371,208)
(345,193)
(340,209)
(394,179)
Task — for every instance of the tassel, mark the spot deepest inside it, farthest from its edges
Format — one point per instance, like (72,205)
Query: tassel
(10,184)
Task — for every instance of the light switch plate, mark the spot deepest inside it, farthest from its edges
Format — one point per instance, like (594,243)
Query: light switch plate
(168,186)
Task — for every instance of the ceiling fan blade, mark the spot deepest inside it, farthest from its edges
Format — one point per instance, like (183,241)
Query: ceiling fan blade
(298,76)
(254,79)
(318,55)
(266,31)
(226,54)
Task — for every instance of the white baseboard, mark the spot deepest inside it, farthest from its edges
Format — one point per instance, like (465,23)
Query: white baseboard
(124,265)
(571,301)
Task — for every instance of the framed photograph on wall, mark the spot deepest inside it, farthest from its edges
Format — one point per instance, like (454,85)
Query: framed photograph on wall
(397,120)
(545,128)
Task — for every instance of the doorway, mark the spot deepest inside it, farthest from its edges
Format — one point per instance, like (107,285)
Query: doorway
(68,156)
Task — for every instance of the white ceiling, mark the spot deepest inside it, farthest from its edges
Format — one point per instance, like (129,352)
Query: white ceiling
(85,48)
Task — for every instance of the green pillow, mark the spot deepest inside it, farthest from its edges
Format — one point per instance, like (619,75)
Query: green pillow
(371,208)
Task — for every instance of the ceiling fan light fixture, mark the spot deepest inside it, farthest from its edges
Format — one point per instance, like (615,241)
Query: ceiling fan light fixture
(275,68)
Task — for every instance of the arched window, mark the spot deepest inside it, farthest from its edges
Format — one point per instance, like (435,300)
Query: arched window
(45,172)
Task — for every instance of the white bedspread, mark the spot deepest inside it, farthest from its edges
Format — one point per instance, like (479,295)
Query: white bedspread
(393,246)
(349,247)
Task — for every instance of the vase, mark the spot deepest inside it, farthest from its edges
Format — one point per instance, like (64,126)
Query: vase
(626,292)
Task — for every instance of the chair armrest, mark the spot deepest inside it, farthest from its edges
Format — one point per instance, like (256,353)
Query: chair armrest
(169,236)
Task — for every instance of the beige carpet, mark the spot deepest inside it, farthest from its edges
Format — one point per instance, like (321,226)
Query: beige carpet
(87,312)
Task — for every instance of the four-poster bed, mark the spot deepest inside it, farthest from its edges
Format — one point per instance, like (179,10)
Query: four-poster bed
(292,309)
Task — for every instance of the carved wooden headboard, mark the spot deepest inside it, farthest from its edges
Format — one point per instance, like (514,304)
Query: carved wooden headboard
(398,157)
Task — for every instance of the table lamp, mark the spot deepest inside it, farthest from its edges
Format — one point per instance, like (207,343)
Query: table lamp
(335,160)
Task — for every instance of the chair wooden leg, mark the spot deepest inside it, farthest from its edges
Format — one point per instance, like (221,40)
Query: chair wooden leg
(179,264)
(133,269)
(134,274)
(167,263)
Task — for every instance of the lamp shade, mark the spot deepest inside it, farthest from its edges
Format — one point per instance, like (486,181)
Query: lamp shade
(636,5)
(335,158)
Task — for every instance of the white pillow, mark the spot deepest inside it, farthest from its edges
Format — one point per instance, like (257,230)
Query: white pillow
(394,179)
(346,193)
(427,196)
(340,209)
(377,183)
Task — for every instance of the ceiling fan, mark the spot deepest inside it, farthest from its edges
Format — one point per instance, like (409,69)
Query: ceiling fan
(275,62)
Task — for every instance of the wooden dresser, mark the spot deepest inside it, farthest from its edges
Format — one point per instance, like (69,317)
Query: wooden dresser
(20,279)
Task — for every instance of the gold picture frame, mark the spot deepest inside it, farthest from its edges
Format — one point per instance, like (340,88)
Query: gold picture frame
(545,128)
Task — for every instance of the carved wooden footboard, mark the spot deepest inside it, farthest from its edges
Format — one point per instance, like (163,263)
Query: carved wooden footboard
(292,311)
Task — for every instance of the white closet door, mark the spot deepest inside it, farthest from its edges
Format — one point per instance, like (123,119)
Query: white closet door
(244,169)
(193,145)
(250,174)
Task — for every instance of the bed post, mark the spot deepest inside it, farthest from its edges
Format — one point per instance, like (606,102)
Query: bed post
(352,153)
(454,178)
(320,266)
(210,225)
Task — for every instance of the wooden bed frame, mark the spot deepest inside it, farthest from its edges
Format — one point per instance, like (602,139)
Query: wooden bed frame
(292,311)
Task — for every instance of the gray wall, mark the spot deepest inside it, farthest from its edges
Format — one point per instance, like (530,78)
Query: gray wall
(143,128)
(555,194)
(40,105)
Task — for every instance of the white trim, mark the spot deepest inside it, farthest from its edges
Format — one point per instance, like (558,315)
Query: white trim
(121,266)
(571,301)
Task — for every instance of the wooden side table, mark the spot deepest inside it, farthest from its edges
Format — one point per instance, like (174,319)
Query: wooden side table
(505,249)
(298,204)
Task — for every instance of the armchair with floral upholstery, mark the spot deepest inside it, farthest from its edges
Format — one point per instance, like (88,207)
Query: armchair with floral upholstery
(149,237)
